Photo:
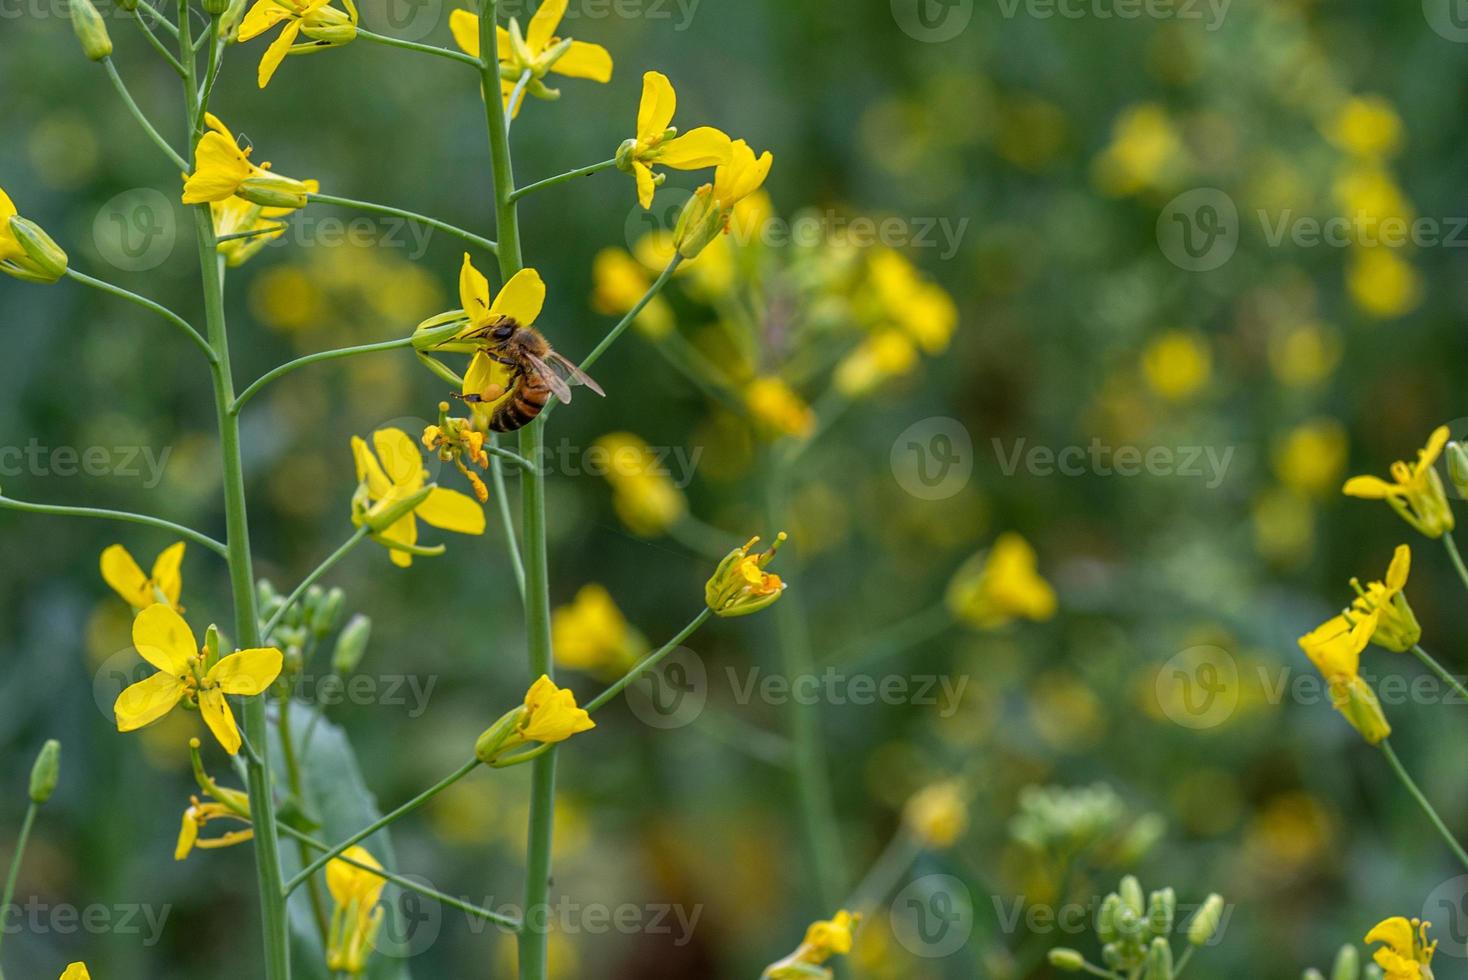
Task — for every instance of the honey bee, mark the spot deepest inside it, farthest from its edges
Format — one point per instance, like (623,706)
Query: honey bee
(536,373)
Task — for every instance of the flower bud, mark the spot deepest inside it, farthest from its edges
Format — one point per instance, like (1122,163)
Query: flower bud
(1131,894)
(1067,960)
(491,745)
(1358,703)
(274,191)
(1159,960)
(1160,910)
(90,29)
(1347,964)
(625,153)
(215,7)
(740,585)
(46,259)
(351,645)
(1106,929)
(1458,467)
(46,772)
(229,21)
(326,612)
(700,223)
(1205,922)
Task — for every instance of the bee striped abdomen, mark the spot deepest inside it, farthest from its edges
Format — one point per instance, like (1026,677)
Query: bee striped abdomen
(524,404)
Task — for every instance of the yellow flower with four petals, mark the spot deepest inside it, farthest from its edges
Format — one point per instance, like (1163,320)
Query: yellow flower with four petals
(393,493)
(223,170)
(164,584)
(658,144)
(1415,491)
(323,25)
(537,51)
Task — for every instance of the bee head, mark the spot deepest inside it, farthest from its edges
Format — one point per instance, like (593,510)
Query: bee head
(503,330)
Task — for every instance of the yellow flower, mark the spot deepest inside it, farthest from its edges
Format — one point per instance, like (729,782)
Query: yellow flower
(923,310)
(1311,456)
(198,815)
(619,282)
(487,380)
(708,212)
(1177,364)
(26,252)
(1335,648)
(236,216)
(1416,491)
(744,174)
(1303,354)
(643,493)
(77,971)
(937,814)
(882,356)
(222,170)
(990,590)
(537,50)
(164,640)
(1365,126)
(164,585)
(592,634)
(1145,148)
(355,920)
(323,25)
(777,407)
(392,494)
(551,714)
(657,142)
(1406,954)
(823,939)
(1397,628)
(740,585)
(1382,283)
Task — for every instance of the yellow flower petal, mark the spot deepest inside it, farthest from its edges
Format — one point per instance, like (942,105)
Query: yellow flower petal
(348,883)
(701,147)
(277,51)
(248,672)
(401,458)
(473,293)
(465,28)
(646,186)
(487,378)
(188,835)
(1434,448)
(77,971)
(264,15)
(219,167)
(148,700)
(659,102)
(543,25)
(742,175)
(370,470)
(404,531)
(120,571)
(220,719)
(585,60)
(164,639)
(166,573)
(1396,573)
(452,511)
(1369,488)
(521,298)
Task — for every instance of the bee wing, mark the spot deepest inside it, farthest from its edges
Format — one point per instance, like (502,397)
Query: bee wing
(574,374)
(558,387)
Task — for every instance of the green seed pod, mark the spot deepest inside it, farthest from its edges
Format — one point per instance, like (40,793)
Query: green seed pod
(274,191)
(1159,960)
(1067,960)
(351,645)
(1131,894)
(1347,964)
(90,29)
(1205,923)
(1161,908)
(46,772)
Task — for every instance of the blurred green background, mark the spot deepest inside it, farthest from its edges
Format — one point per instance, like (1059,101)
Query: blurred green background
(1059,146)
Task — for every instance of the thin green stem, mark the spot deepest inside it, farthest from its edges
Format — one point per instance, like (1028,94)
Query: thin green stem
(211,72)
(235,236)
(13,876)
(297,788)
(1437,821)
(396,42)
(512,104)
(650,661)
(896,638)
(361,835)
(507,521)
(275,925)
(218,547)
(541,185)
(1441,671)
(154,40)
(312,578)
(161,21)
(885,873)
(1182,961)
(254,387)
(132,106)
(173,318)
(509,922)
(1457,558)
(372,208)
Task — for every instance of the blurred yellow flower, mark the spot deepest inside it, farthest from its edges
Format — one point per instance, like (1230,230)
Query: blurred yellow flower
(643,493)
(1416,491)
(1310,458)
(657,143)
(223,170)
(1365,126)
(1396,628)
(356,918)
(740,585)
(1177,364)
(164,584)
(1334,647)
(823,939)
(286,297)
(551,714)
(1382,283)
(537,51)
(937,814)
(921,308)
(1144,149)
(392,494)
(885,355)
(237,216)
(323,25)
(777,408)
(592,634)
(1367,196)
(993,588)
(1405,954)
(1303,354)
(619,281)
(164,640)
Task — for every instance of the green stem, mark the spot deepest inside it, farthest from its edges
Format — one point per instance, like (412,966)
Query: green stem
(1440,671)
(509,922)
(218,547)
(297,787)
(897,638)
(14,875)
(211,72)
(376,825)
(650,661)
(502,502)
(132,106)
(161,21)
(1182,961)
(541,185)
(396,42)
(1437,821)
(885,873)
(254,387)
(311,579)
(147,304)
(371,208)
(154,40)
(1452,547)
(275,925)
